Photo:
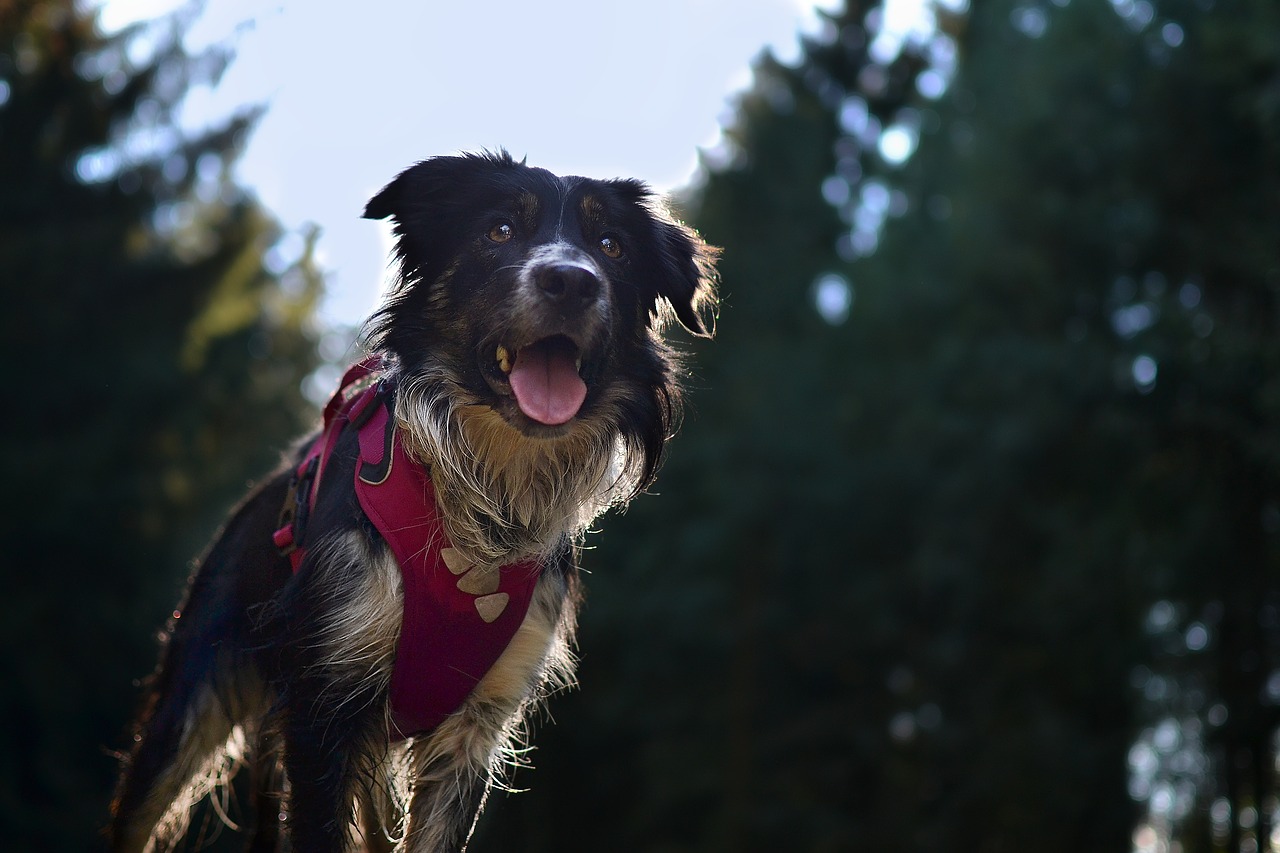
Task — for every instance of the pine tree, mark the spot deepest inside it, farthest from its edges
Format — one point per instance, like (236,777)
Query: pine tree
(970,540)
(157,330)
(716,679)
(1106,275)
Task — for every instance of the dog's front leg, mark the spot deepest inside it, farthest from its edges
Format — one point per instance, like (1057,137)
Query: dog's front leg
(452,772)
(325,763)
(334,735)
(454,766)
(338,658)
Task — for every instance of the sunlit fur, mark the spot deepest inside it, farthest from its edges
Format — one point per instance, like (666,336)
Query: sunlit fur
(214,742)
(505,497)
(263,656)
(485,736)
(358,635)
(470,749)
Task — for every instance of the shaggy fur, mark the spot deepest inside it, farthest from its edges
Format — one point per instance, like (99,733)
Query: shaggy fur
(501,266)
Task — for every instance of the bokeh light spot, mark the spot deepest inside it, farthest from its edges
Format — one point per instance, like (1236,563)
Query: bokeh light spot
(833,297)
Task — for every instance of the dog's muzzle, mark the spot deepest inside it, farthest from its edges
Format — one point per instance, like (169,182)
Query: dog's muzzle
(561,319)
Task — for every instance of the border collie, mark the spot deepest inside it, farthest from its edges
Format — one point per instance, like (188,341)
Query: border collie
(371,627)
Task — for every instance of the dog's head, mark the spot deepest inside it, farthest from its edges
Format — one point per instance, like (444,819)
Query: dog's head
(541,298)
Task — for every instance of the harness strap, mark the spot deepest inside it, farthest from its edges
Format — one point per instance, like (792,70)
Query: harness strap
(345,406)
(458,618)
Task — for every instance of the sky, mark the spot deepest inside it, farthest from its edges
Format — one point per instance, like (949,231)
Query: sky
(605,90)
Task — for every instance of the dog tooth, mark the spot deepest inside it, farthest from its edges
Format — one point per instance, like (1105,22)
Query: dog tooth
(504,359)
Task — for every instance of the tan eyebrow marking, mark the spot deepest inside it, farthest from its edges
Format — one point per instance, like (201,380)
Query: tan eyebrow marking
(527,205)
(591,208)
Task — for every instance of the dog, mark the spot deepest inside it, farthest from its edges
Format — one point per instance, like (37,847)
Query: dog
(373,624)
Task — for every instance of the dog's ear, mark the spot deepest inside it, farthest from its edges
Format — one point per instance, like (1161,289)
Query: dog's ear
(394,201)
(422,203)
(408,201)
(426,182)
(688,276)
(386,202)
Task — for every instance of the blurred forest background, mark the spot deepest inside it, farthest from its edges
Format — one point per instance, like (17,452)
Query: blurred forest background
(971,540)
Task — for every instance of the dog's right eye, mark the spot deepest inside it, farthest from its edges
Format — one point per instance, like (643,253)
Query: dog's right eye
(501,232)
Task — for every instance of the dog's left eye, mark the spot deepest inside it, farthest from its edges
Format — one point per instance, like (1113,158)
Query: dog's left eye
(501,232)
(610,246)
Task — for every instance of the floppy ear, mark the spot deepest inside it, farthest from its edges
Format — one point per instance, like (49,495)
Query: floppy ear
(407,202)
(688,276)
(387,201)
(419,202)
(424,182)
(406,190)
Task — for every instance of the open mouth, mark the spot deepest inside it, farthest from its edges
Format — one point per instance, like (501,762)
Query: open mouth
(544,378)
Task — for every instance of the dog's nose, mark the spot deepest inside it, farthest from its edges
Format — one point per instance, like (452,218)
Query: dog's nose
(567,285)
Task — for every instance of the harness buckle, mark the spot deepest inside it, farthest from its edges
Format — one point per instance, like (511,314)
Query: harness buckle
(292,523)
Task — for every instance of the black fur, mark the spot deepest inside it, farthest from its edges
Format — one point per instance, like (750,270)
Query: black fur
(255,645)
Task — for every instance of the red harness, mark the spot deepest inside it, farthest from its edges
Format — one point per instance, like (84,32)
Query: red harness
(458,619)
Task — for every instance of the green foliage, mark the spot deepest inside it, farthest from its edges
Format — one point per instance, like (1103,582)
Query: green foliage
(155,366)
(1109,273)
(991,564)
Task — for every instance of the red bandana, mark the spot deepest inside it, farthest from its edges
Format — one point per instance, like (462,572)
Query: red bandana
(458,619)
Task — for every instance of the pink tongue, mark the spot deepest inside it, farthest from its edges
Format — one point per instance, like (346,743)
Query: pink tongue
(546,382)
